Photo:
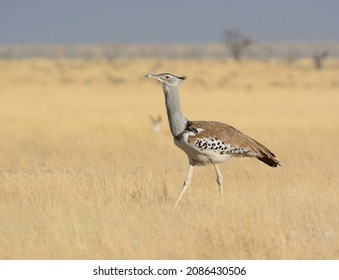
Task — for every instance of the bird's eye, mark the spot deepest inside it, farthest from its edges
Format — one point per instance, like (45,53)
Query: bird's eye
(167,77)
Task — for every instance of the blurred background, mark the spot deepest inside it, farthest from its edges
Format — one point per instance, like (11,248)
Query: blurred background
(260,28)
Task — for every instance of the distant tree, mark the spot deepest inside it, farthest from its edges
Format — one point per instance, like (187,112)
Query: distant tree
(318,59)
(236,42)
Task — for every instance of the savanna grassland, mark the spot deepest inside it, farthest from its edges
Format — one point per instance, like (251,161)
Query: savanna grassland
(83,176)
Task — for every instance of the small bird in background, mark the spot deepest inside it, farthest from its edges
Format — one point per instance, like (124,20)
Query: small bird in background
(206,142)
(156,123)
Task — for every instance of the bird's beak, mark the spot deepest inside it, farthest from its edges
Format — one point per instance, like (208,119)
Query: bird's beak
(151,76)
(155,77)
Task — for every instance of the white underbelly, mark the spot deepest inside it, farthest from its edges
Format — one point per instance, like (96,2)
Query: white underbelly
(201,157)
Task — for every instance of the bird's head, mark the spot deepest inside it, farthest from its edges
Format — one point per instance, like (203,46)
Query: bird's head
(166,79)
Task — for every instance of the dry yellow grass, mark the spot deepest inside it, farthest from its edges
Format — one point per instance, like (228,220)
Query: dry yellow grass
(82,176)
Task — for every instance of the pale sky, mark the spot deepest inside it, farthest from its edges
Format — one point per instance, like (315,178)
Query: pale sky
(170,21)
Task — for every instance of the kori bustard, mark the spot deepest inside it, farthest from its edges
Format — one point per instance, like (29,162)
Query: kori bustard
(206,142)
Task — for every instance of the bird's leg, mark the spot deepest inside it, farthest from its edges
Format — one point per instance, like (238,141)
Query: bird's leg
(186,184)
(220,181)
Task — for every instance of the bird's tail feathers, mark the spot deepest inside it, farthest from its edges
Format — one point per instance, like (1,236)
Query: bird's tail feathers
(271,161)
(263,154)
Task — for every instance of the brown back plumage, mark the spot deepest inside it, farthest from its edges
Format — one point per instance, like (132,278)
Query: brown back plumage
(230,135)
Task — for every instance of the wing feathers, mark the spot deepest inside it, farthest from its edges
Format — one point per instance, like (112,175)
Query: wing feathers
(231,136)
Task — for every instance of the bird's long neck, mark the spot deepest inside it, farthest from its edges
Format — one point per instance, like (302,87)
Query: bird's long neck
(176,119)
